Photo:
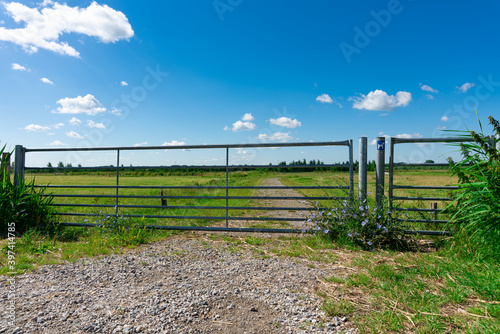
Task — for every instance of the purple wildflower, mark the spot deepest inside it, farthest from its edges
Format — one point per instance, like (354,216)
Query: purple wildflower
(369,243)
(326,231)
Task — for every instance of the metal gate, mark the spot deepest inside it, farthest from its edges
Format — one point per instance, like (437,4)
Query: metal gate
(430,216)
(120,202)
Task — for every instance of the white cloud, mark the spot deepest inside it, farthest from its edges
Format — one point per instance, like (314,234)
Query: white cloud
(58,125)
(441,128)
(444,118)
(239,126)
(247,117)
(466,86)
(428,88)
(93,124)
(75,121)
(380,100)
(429,96)
(324,98)
(80,105)
(50,134)
(286,122)
(43,28)
(226,128)
(116,112)
(36,128)
(47,81)
(17,67)
(144,143)
(406,135)
(57,143)
(123,83)
(73,134)
(173,143)
(277,136)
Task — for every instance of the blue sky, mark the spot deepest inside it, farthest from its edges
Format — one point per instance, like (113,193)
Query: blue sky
(125,73)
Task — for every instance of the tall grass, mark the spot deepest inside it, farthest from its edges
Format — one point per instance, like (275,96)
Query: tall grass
(476,205)
(24,205)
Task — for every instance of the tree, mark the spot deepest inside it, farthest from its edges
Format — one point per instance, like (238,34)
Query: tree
(60,164)
(49,165)
(429,161)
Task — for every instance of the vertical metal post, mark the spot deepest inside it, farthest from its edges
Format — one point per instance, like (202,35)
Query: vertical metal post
(117,179)
(363,176)
(351,170)
(227,187)
(380,170)
(19,164)
(391,174)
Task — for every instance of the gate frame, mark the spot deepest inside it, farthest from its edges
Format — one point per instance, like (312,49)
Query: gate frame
(20,169)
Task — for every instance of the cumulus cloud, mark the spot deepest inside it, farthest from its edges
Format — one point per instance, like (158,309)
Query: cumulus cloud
(17,67)
(286,122)
(57,143)
(240,126)
(43,27)
(444,118)
(75,121)
(429,96)
(80,105)
(73,134)
(324,98)
(466,86)
(36,128)
(247,117)
(381,101)
(123,83)
(47,81)
(58,125)
(93,124)
(173,143)
(277,136)
(428,88)
(144,143)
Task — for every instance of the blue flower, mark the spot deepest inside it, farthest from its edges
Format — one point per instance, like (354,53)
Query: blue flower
(343,211)
(379,226)
(378,217)
(364,222)
(361,208)
(329,214)
(317,227)
(312,215)
(349,234)
(369,243)
(386,229)
(354,216)
(326,231)
(86,220)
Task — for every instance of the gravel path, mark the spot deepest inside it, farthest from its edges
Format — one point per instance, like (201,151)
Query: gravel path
(180,285)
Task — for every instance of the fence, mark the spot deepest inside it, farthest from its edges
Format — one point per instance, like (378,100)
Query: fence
(433,212)
(123,204)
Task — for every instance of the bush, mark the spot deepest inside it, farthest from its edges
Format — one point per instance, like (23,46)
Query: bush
(25,205)
(355,222)
(476,205)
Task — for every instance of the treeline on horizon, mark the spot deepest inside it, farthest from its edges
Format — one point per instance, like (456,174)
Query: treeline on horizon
(283,167)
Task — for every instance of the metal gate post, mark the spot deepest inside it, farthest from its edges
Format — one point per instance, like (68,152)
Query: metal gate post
(117,179)
(351,170)
(227,187)
(380,167)
(391,174)
(363,177)
(20,154)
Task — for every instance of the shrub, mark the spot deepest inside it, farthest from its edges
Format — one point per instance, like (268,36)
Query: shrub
(476,205)
(25,205)
(356,222)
